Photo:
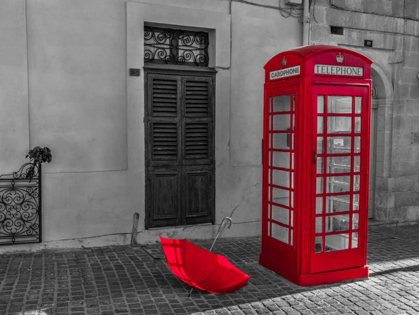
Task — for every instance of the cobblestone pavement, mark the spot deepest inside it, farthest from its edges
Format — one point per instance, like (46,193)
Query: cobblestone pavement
(125,280)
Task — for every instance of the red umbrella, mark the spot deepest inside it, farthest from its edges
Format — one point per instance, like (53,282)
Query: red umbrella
(201,268)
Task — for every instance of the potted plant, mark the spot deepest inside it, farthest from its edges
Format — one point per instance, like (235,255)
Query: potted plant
(37,156)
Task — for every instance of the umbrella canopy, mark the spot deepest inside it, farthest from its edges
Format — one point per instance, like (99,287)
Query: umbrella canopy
(202,269)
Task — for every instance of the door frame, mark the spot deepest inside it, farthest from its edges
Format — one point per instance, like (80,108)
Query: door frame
(184,71)
(373,158)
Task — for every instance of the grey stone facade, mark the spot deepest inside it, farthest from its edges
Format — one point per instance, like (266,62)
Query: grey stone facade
(393,27)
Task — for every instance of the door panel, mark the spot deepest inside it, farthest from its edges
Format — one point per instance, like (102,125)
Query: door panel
(340,205)
(198,200)
(163,193)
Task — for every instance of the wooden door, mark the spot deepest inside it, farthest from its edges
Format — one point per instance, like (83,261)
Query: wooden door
(180,186)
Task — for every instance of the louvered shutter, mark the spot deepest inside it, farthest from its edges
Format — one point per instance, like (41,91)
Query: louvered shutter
(197,97)
(163,116)
(196,137)
(164,97)
(198,120)
(164,141)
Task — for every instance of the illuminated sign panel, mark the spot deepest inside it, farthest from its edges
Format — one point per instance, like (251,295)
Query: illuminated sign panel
(287,72)
(338,70)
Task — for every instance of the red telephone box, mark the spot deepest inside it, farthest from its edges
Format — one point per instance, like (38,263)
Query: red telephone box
(316,164)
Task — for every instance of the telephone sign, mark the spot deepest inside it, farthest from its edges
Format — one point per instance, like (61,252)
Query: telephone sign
(278,74)
(338,70)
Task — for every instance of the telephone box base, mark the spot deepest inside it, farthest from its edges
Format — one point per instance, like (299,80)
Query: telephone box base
(315,278)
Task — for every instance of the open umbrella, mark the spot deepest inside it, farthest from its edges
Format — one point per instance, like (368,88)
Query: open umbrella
(201,268)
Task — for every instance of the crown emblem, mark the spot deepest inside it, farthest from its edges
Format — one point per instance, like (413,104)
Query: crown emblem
(284,61)
(339,58)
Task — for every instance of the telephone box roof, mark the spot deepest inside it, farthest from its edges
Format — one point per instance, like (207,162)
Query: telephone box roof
(318,61)
(308,52)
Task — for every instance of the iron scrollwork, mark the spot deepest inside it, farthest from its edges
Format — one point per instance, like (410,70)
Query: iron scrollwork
(20,205)
(175,47)
(374,91)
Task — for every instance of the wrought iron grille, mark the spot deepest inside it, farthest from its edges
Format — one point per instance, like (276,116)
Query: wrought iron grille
(175,47)
(20,206)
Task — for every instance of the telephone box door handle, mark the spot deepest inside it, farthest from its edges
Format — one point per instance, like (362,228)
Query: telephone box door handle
(315,157)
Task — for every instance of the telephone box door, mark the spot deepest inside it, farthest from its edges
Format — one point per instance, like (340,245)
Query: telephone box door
(340,180)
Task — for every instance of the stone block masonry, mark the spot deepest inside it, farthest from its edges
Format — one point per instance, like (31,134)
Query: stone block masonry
(125,280)
(393,28)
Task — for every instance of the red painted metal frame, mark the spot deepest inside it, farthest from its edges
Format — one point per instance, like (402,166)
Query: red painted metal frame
(286,255)
(298,262)
(352,257)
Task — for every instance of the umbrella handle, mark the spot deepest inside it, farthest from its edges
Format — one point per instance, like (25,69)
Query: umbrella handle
(221,229)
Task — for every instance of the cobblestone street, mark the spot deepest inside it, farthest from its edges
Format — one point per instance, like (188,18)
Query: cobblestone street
(125,280)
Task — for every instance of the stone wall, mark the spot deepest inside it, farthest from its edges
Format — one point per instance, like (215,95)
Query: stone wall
(393,26)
